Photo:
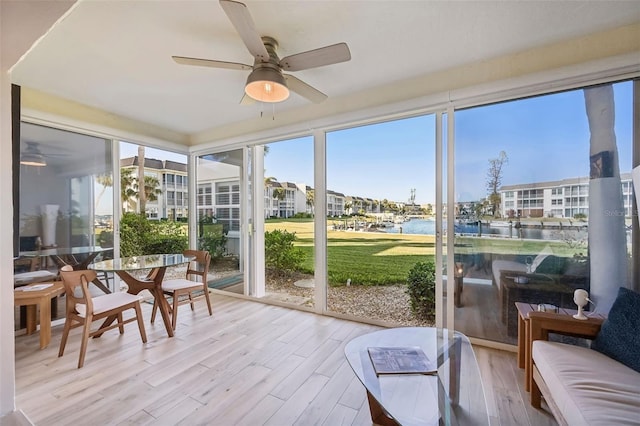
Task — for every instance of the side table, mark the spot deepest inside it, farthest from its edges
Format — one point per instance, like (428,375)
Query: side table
(38,298)
(566,324)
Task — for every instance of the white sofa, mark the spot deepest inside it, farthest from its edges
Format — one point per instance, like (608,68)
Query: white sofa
(585,387)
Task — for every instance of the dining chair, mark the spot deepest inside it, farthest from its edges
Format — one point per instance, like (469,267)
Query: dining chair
(181,287)
(83,309)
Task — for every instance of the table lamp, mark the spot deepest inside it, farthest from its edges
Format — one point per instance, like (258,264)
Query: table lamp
(581,298)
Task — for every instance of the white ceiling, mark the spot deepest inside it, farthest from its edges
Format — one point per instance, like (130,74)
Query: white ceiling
(116,55)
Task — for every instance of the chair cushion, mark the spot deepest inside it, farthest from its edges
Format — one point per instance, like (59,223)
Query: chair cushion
(588,387)
(619,337)
(179,284)
(108,302)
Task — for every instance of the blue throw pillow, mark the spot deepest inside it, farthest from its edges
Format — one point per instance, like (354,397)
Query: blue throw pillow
(619,337)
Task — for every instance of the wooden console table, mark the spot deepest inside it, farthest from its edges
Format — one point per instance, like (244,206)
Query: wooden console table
(563,320)
(33,299)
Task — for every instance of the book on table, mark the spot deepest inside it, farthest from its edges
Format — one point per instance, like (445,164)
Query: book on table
(401,360)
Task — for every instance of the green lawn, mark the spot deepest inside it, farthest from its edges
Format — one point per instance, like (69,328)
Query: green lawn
(367,258)
(375,258)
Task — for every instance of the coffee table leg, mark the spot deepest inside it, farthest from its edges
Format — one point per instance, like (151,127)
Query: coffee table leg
(378,415)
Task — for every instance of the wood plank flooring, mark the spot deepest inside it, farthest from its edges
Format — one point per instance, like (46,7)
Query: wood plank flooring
(249,364)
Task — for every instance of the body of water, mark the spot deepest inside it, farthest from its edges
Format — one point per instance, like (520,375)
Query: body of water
(428,227)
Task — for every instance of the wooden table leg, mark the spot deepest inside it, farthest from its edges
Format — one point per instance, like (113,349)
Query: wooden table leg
(155,287)
(31,319)
(378,415)
(527,356)
(521,342)
(45,322)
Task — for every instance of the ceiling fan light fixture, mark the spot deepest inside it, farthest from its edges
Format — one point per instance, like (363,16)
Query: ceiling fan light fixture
(266,85)
(36,160)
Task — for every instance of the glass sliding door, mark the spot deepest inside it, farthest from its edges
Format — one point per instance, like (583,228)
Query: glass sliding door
(220,191)
(65,196)
(66,204)
(542,204)
(381,221)
(288,212)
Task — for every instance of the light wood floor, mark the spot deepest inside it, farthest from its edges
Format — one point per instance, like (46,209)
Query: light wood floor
(249,364)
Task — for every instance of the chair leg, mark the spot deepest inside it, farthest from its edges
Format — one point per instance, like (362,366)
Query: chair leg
(174,314)
(86,330)
(143,333)
(120,323)
(154,310)
(191,301)
(65,335)
(206,297)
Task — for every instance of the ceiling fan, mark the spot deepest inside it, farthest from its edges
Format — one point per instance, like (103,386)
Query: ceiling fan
(267,82)
(32,156)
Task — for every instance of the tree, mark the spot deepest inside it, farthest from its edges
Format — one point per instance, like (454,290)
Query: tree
(279,193)
(151,188)
(311,200)
(106,180)
(494,180)
(141,195)
(128,193)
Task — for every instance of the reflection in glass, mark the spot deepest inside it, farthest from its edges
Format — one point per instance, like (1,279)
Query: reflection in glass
(526,205)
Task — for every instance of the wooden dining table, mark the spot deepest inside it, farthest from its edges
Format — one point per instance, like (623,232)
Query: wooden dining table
(157,265)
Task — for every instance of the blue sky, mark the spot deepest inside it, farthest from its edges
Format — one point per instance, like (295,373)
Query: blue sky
(545,138)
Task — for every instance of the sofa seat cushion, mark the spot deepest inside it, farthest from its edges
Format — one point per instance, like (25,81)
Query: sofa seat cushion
(588,387)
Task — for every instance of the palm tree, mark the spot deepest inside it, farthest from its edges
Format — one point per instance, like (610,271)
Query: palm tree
(311,200)
(128,191)
(141,178)
(152,188)
(106,180)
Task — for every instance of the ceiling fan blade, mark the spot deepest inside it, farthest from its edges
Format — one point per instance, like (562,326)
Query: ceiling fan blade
(183,60)
(304,90)
(241,19)
(317,58)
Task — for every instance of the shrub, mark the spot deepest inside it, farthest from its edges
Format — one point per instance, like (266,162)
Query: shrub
(421,287)
(280,254)
(133,231)
(140,236)
(213,239)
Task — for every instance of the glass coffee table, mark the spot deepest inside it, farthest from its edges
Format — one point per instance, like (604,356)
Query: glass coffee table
(453,396)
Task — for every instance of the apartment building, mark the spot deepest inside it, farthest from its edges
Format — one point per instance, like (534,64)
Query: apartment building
(173,202)
(563,198)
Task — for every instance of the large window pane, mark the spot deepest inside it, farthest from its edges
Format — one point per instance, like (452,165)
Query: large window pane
(380,208)
(66,204)
(529,192)
(219,222)
(289,230)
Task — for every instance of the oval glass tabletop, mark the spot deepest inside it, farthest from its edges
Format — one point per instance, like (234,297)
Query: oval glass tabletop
(451,395)
(135,263)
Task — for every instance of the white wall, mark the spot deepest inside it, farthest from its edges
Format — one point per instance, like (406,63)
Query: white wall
(21,24)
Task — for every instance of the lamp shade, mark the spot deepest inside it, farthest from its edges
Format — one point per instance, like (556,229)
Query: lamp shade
(30,159)
(266,85)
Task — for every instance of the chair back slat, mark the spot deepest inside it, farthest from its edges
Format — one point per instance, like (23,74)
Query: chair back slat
(74,281)
(200,265)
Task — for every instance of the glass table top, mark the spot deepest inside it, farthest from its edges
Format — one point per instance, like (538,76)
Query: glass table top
(453,396)
(60,251)
(135,263)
